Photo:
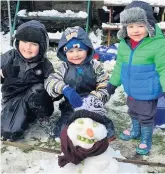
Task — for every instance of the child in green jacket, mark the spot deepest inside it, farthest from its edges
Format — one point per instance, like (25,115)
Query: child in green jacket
(140,68)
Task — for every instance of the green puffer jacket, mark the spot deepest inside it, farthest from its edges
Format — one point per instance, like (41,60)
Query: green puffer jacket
(141,70)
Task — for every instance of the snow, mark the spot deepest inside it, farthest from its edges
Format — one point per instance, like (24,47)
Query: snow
(105,8)
(96,38)
(161,25)
(111,26)
(103,163)
(5,42)
(125,2)
(54,13)
(56,35)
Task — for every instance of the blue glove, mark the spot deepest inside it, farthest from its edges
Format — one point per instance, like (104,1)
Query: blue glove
(73,97)
(111,88)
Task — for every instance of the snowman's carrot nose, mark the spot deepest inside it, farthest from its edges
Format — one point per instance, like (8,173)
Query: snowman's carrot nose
(90,132)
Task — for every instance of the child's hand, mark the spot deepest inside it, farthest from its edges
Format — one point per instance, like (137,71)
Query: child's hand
(111,88)
(10,71)
(73,97)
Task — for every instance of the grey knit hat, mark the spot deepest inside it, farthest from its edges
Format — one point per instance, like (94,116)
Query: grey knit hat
(137,12)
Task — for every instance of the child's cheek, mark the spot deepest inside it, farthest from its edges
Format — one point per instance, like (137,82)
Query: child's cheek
(36,51)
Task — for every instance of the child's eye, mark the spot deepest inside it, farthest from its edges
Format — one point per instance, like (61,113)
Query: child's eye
(80,50)
(35,44)
(70,51)
(80,122)
(94,124)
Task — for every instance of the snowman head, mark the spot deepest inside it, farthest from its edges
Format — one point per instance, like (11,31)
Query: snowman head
(86,128)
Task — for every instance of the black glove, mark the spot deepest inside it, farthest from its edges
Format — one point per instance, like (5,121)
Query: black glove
(40,97)
(111,88)
(10,71)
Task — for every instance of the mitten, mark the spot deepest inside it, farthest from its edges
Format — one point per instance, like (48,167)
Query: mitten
(73,97)
(111,88)
(40,97)
(10,71)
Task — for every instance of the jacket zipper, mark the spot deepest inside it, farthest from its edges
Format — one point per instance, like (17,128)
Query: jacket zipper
(129,65)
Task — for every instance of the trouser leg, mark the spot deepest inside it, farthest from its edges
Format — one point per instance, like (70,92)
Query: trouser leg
(66,112)
(13,118)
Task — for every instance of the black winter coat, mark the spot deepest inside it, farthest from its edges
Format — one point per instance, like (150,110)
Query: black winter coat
(30,73)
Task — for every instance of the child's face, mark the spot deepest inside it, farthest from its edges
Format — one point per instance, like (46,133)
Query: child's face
(28,49)
(76,55)
(137,31)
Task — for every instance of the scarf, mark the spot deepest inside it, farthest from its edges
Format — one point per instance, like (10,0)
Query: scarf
(76,154)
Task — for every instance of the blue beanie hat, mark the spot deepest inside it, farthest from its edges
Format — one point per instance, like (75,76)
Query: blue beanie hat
(75,43)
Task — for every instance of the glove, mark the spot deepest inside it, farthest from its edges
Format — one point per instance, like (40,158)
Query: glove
(40,97)
(111,88)
(10,71)
(73,97)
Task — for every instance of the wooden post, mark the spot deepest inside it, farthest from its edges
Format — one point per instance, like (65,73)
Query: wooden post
(163,15)
(110,20)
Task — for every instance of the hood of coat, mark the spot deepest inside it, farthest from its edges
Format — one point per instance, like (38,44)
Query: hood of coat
(33,31)
(74,32)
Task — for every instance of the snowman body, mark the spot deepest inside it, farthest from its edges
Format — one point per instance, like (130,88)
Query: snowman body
(85,132)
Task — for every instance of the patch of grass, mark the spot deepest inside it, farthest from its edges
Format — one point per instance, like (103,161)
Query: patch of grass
(52,143)
(4,149)
(123,98)
(162,170)
(118,103)
(158,140)
(120,120)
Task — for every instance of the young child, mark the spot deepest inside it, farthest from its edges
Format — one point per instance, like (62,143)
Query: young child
(79,76)
(140,68)
(23,72)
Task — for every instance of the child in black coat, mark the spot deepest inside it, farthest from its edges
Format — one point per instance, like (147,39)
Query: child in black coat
(23,72)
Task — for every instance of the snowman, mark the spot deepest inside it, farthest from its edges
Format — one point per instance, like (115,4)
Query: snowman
(85,147)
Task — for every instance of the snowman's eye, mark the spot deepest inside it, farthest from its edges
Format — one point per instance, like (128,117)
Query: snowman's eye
(80,122)
(94,124)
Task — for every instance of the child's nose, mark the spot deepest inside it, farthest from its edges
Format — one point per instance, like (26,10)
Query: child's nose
(90,132)
(75,53)
(28,45)
(136,30)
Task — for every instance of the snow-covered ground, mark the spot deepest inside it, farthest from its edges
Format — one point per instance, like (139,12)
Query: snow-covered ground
(14,160)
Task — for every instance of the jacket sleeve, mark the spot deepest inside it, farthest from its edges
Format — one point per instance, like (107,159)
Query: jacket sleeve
(101,82)
(160,63)
(6,58)
(54,84)
(115,78)
(48,68)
